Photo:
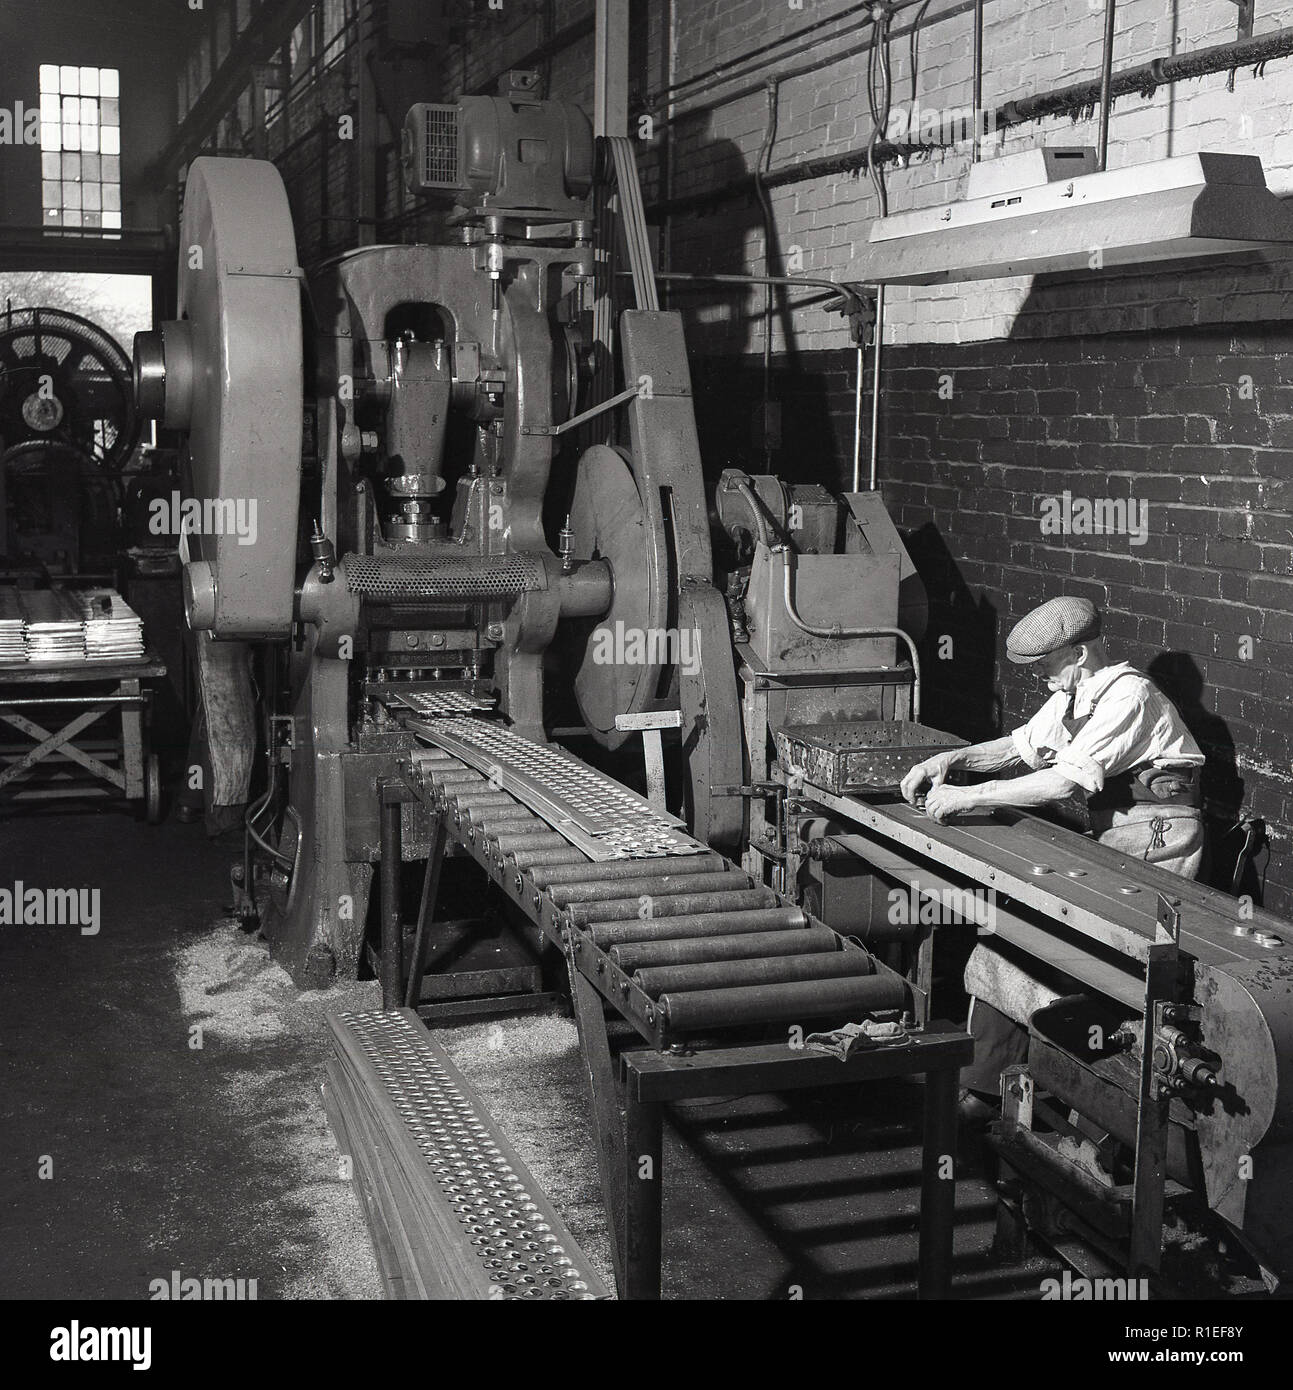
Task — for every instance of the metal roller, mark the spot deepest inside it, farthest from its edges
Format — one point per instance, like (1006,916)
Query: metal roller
(766,919)
(598,890)
(532,858)
(728,974)
(538,838)
(799,1001)
(548,875)
(467,801)
(484,816)
(670,905)
(459,777)
(693,950)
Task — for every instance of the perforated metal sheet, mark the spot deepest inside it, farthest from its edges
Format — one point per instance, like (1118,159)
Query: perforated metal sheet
(522,1245)
(441,703)
(604,819)
(442,577)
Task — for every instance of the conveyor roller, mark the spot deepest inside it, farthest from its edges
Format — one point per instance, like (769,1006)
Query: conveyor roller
(773,970)
(677,942)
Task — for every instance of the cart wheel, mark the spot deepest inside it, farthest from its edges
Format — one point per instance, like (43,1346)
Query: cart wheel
(153,790)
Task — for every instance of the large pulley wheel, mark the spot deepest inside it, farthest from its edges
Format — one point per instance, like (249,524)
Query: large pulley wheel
(229,374)
(621,665)
(711,721)
(65,383)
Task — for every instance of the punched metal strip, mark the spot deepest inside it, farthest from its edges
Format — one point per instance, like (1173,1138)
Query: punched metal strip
(445,578)
(438,703)
(507,1225)
(605,820)
(588,908)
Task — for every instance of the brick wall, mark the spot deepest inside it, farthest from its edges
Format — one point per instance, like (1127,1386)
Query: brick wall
(1191,424)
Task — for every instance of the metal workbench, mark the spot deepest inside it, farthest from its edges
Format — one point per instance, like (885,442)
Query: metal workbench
(54,707)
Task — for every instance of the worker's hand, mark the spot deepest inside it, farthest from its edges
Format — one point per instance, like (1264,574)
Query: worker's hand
(933,770)
(945,802)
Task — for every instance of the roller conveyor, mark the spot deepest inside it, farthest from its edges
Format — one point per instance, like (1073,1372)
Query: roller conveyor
(679,943)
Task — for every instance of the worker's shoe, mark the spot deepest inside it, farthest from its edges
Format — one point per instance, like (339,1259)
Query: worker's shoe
(974,1113)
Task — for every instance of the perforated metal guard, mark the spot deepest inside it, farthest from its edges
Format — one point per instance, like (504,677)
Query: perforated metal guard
(440,147)
(596,814)
(449,577)
(522,1244)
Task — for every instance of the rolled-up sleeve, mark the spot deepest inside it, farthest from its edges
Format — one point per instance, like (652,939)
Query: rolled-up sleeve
(1111,741)
(1035,742)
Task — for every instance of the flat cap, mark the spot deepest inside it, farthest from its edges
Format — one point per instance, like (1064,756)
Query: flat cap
(1063,622)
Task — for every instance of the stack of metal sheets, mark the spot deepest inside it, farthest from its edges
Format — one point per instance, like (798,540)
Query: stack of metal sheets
(13,647)
(113,630)
(55,628)
(453,1211)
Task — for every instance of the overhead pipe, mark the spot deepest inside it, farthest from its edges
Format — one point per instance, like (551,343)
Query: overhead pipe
(1106,85)
(1143,80)
(976,103)
(654,98)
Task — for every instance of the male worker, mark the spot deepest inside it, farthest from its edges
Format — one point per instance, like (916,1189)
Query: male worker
(1106,731)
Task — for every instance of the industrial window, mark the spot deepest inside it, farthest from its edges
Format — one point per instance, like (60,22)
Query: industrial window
(80,149)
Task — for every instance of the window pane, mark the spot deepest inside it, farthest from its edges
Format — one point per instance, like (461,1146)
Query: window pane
(51,195)
(49,166)
(50,138)
(48,77)
(90,198)
(111,168)
(50,107)
(111,140)
(71,219)
(109,111)
(111,197)
(71,109)
(71,137)
(89,82)
(89,137)
(71,195)
(112,219)
(108,82)
(69,81)
(89,166)
(71,166)
(91,219)
(89,111)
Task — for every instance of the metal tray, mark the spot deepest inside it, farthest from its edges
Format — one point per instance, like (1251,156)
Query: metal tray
(859,755)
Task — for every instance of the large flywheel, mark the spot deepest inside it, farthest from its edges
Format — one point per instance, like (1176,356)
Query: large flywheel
(229,372)
(662,642)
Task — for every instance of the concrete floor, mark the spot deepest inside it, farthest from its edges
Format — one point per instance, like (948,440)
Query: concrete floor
(216,1160)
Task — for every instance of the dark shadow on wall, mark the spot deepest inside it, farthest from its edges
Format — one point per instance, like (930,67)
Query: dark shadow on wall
(959,647)
(811,444)
(1178,676)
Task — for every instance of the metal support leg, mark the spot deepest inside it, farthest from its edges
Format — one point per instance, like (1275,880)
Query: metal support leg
(608,1132)
(392,927)
(938,1184)
(643,1186)
(426,914)
(1153,1113)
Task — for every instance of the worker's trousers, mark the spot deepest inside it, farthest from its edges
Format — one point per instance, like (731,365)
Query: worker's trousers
(1169,836)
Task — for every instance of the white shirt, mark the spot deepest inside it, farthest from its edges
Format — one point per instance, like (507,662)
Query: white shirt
(1133,724)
